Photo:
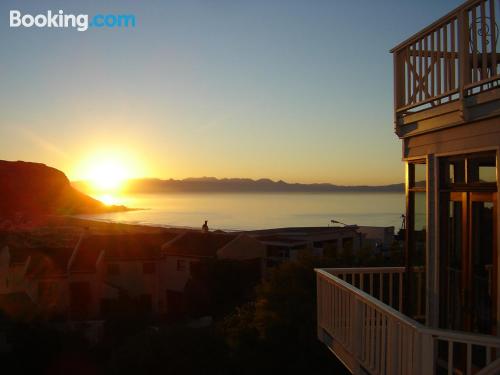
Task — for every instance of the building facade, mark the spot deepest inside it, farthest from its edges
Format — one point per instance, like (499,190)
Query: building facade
(286,244)
(439,313)
(186,255)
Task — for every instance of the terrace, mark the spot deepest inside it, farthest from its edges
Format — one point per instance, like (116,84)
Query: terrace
(439,314)
(361,320)
(448,73)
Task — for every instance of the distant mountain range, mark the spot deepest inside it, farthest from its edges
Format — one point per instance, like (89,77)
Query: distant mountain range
(32,189)
(239,185)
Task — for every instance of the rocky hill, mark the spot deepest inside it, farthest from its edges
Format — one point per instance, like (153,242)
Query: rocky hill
(36,189)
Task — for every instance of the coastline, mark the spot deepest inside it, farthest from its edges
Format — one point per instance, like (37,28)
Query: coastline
(252,211)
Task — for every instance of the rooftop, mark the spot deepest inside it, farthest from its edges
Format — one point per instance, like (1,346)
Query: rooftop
(199,244)
(48,262)
(302,231)
(136,246)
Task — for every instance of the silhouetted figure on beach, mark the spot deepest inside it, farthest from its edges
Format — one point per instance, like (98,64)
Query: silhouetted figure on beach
(204,227)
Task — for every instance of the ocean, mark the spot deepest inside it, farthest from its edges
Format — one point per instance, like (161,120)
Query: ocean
(245,211)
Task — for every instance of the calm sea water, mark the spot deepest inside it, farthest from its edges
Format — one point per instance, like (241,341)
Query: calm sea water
(233,211)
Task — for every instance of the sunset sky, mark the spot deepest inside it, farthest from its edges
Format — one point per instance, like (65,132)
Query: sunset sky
(292,90)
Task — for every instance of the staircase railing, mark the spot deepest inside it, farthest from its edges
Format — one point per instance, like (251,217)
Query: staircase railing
(367,333)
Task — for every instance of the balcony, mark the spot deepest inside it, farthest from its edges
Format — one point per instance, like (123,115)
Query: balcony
(360,320)
(448,73)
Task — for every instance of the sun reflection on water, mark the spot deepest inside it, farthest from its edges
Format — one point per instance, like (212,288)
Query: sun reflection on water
(110,199)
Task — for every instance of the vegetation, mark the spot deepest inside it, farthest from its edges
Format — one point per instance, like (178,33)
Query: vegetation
(272,329)
(217,286)
(278,331)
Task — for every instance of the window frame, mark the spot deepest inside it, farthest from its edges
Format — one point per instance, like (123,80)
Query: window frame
(411,257)
(468,184)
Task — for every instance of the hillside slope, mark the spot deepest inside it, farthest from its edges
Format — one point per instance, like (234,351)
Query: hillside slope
(36,189)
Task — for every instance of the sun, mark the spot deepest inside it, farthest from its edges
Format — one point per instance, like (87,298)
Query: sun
(107,175)
(105,171)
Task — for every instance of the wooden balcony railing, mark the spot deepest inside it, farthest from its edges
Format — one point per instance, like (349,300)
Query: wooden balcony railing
(453,58)
(367,334)
(387,284)
(384,283)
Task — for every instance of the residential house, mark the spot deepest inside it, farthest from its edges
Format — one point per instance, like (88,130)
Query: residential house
(186,253)
(380,239)
(58,282)
(284,244)
(132,265)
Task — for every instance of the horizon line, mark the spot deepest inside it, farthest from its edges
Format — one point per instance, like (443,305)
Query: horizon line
(201,178)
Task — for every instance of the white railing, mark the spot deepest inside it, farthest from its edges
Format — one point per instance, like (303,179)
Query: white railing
(468,353)
(387,285)
(366,333)
(383,283)
(456,56)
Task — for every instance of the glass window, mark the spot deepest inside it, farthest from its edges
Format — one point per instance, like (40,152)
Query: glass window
(416,237)
(451,275)
(419,218)
(417,212)
(482,169)
(420,174)
(468,169)
(482,240)
(487,174)
(456,171)
(420,210)
(452,171)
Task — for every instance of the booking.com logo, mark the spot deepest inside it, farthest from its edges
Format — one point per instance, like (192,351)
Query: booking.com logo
(79,22)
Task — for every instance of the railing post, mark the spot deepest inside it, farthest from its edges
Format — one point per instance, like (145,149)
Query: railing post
(319,306)
(399,85)
(393,348)
(427,365)
(463,52)
(357,324)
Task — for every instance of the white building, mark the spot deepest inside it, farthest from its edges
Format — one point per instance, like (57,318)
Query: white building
(440,313)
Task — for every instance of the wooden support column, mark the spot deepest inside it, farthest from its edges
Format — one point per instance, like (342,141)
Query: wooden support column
(498,243)
(432,245)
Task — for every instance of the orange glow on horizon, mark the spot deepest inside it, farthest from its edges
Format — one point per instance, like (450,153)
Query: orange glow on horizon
(109,199)
(106,173)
